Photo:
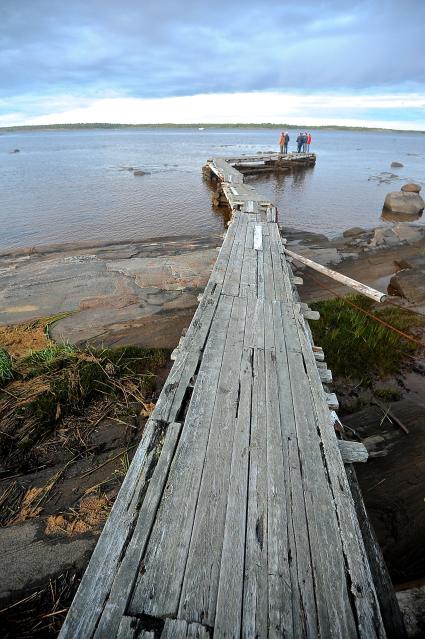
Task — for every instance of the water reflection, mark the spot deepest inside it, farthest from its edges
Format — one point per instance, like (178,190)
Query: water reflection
(391,216)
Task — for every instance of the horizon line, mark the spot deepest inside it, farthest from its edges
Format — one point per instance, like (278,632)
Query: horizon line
(94,125)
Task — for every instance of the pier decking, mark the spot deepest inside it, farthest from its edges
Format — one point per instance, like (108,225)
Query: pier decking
(236,516)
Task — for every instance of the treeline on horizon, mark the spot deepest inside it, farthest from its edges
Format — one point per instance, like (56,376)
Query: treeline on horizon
(171,125)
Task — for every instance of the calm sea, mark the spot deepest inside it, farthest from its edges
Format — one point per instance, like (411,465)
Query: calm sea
(67,186)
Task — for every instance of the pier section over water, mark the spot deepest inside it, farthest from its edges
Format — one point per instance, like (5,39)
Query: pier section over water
(236,516)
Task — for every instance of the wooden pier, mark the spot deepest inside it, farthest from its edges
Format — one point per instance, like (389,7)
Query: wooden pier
(236,518)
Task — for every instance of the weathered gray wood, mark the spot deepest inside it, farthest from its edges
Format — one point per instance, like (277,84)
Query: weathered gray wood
(130,629)
(231,579)
(200,585)
(369,620)
(128,568)
(352,452)
(269,288)
(255,606)
(248,277)
(233,274)
(331,592)
(325,374)
(166,555)
(332,401)
(282,601)
(180,629)
(97,580)
(298,551)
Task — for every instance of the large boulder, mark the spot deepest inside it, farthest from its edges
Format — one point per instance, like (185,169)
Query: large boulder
(411,187)
(405,203)
(409,284)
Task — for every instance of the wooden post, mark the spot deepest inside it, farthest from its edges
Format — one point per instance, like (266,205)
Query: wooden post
(347,281)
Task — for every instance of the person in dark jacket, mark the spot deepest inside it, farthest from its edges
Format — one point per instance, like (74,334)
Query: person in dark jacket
(299,142)
(287,138)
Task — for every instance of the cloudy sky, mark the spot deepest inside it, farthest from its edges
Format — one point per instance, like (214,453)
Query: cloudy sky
(303,61)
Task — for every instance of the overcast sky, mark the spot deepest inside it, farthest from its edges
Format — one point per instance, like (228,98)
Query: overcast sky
(303,61)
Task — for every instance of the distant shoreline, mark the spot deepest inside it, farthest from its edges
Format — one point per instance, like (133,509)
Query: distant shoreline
(170,125)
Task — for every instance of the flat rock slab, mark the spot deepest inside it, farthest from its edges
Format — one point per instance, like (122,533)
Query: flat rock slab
(106,288)
(30,558)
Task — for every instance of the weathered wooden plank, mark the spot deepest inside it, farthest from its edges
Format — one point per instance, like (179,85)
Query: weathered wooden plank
(158,587)
(248,283)
(332,401)
(231,579)
(255,596)
(233,274)
(87,605)
(200,584)
(269,287)
(180,629)
(280,593)
(362,590)
(352,452)
(331,594)
(305,622)
(130,629)
(128,568)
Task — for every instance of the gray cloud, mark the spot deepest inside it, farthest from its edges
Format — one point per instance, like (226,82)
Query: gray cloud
(144,48)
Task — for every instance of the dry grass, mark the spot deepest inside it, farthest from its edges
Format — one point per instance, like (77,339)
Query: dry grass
(92,512)
(19,339)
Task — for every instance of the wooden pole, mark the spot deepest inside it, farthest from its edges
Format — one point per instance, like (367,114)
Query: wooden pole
(347,281)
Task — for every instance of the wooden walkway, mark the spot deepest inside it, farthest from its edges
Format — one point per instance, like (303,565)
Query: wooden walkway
(235,518)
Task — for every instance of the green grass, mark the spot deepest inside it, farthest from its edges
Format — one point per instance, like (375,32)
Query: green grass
(6,370)
(49,358)
(61,380)
(358,347)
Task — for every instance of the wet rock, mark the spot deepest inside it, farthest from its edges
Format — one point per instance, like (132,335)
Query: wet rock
(404,203)
(396,165)
(409,284)
(411,187)
(140,172)
(354,231)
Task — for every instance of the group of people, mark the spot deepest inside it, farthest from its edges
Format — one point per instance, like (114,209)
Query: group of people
(303,142)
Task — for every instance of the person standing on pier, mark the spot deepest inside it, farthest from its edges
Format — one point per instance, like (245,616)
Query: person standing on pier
(299,142)
(281,141)
(308,142)
(287,138)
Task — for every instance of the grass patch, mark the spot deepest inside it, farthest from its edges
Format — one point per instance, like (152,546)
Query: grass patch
(61,380)
(356,346)
(6,371)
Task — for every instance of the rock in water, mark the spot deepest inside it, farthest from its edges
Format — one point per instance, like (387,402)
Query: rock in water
(411,188)
(354,231)
(395,165)
(404,202)
(139,172)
